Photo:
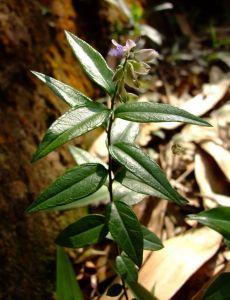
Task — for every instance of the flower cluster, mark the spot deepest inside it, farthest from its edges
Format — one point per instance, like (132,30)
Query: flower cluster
(135,64)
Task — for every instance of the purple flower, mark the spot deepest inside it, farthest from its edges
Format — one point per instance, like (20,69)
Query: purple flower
(120,50)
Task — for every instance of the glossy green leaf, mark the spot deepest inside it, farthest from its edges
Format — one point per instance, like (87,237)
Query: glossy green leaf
(151,241)
(101,195)
(140,292)
(92,62)
(68,94)
(147,170)
(120,193)
(124,131)
(126,230)
(126,268)
(219,289)
(74,184)
(134,183)
(114,290)
(155,112)
(88,230)
(216,218)
(75,122)
(67,286)
(124,194)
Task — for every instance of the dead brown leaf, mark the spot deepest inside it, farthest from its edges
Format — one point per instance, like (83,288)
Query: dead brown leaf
(220,155)
(168,269)
(211,181)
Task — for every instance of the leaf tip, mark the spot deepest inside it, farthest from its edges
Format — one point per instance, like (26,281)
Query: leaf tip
(30,209)
(192,217)
(35,157)
(68,34)
(205,123)
(209,125)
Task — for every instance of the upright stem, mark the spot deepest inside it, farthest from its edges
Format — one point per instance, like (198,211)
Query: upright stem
(110,187)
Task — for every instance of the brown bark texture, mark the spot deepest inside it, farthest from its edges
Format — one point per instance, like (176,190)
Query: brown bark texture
(32,38)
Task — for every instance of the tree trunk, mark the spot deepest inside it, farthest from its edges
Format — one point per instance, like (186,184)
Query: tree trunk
(32,37)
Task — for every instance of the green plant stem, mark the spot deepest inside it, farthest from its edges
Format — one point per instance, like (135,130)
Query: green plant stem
(110,186)
(124,289)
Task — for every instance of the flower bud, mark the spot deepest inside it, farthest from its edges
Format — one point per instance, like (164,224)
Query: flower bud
(122,94)
(146,55)
(118,74)
(130,44)
(130,76)
(140,67)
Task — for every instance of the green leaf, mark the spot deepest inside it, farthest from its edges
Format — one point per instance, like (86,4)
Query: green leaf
(88,230)
(120,193)
(67,286)
(134,183)
(101,195)
(124,131)
(82,157)
(68,94)
(140,292)
(227,243)
(147,170)
(124,194)
(73,185)
(126,230)
(216,218)
(219,289)
(151,241)
(114,290)
(126,268)
(92,62)
(145,112)
(75,122)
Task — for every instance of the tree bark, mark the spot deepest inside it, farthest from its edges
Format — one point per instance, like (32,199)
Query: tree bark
(31,37)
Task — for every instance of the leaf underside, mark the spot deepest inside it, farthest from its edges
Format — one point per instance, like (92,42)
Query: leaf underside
(126,268)
(216,218)
(88,230)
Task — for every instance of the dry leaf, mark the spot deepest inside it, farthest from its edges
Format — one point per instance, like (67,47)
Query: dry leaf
(200,294)
(168,269)
(211,181)
(220,155)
